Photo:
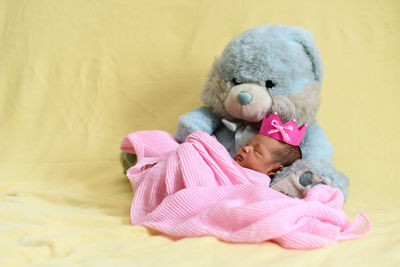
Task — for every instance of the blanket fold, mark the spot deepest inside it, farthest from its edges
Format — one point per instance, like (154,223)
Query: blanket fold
(197,189)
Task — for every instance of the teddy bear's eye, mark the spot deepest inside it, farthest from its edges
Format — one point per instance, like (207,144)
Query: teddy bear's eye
(269,84)
(235,82)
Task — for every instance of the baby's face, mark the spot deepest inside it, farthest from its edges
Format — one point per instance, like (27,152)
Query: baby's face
(258,153)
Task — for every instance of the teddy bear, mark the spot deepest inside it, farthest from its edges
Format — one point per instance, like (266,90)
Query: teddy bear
(266,69)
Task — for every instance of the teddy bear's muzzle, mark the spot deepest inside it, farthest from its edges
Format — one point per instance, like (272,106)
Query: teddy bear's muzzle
(248,101)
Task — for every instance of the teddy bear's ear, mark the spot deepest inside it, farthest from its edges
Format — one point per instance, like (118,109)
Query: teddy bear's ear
(305,38)
(215,91)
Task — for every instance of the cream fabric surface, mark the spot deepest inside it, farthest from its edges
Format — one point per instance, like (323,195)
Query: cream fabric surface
(77,76)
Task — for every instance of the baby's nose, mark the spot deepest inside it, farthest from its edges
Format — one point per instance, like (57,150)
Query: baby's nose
(246,149)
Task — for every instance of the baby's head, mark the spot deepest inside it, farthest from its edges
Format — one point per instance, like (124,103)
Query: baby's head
(267,155)
(276,146)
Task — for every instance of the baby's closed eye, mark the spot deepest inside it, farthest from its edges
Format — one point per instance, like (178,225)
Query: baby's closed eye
(257,150)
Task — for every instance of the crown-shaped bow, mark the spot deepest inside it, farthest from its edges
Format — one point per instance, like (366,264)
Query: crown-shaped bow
(288,133)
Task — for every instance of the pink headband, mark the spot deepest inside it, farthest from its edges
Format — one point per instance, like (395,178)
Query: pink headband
(288,133)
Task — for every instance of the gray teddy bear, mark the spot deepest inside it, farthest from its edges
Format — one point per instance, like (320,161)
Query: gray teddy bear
(267,69)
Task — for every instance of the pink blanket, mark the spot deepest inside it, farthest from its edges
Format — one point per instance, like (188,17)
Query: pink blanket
(196,189)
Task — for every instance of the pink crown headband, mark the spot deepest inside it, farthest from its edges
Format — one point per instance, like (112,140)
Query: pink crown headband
(288,133)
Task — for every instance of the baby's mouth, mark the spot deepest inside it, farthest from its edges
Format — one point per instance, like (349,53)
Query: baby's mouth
(239,157)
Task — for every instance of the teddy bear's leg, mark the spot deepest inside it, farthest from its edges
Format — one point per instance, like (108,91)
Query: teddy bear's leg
(297,184)
(127,160)
(308,173)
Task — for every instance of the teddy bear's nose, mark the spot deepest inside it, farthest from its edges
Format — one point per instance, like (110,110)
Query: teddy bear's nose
(244,98)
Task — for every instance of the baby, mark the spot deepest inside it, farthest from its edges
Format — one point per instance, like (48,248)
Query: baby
(267,155)
(275,147)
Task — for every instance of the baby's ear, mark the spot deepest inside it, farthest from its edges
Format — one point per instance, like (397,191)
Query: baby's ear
(274,169)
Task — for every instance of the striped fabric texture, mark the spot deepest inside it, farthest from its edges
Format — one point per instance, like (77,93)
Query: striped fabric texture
(196,189)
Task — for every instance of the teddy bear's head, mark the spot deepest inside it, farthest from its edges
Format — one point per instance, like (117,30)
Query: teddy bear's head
(269,68)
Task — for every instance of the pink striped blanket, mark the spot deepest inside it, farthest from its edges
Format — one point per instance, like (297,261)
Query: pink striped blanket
(196,189)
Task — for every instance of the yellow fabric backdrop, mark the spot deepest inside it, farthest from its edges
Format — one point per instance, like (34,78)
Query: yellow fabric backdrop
(76,76)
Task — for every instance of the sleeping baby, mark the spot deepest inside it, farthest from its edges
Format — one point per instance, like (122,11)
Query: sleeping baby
(267,155)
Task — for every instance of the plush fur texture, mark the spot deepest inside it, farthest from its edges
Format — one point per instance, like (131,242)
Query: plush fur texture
(301,106)
(214,93)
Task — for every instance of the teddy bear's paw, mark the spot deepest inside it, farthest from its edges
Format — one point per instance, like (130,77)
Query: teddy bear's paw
(309,179)
(306,178)
(307,173)
(298,183)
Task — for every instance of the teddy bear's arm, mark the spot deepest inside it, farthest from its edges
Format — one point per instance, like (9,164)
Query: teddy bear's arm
(198,119)
(315,144)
